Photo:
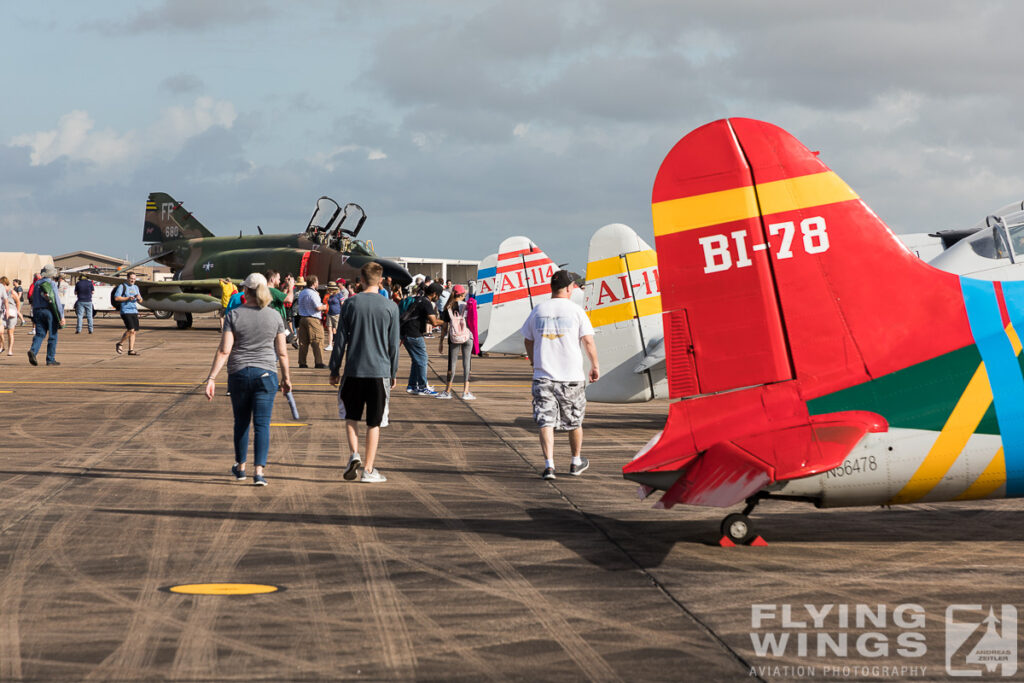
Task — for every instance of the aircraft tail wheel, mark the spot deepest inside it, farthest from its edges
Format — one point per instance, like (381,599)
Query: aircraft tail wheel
(737,528)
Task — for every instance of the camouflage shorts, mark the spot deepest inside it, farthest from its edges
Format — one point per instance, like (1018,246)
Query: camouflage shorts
(559,404)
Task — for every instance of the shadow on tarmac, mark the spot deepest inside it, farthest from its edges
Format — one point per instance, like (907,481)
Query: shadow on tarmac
(646,544)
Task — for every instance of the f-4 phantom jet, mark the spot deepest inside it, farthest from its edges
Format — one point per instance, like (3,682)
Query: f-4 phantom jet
(328,248)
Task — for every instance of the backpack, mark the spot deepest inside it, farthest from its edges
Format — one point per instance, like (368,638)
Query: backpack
(403,309)
(458,331)
(113,293)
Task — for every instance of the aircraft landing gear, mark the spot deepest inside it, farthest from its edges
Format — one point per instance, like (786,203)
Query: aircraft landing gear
(184,322)
(737,527)
(162,315)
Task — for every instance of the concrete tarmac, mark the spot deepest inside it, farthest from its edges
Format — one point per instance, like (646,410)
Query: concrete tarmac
(464,565)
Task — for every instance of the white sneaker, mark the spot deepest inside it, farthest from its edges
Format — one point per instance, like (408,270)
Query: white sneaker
(354,463)
(443,394)
(374,477)
(329,347)
(468,397)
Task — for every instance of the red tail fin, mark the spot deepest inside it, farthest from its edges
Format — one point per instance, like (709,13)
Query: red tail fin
(779,285)
(775,270)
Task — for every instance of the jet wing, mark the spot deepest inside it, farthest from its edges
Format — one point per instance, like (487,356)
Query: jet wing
(145,285)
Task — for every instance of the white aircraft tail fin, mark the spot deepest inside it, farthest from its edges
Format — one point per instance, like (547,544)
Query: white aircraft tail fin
(522,280)
(485,294)
(623,300)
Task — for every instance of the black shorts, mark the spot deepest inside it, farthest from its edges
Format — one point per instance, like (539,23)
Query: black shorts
(131,321)
(369,392)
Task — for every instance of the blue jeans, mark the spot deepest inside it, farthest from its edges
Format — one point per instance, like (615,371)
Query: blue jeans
(83,309)
(417,349)
(46,323)
(252,398)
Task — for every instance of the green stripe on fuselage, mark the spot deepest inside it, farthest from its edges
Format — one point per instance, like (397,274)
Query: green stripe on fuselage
(921,396)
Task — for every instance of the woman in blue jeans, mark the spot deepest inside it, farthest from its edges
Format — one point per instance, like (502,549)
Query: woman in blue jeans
(253,345)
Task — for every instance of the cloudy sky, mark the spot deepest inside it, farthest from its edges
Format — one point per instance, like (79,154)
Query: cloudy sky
(456,124)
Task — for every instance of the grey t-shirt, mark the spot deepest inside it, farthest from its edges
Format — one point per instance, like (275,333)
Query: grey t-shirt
(368,332)
(255,330)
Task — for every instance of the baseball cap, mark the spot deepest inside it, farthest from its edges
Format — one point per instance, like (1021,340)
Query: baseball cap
(254,281)
(561,279)
(434,288)
(458,290)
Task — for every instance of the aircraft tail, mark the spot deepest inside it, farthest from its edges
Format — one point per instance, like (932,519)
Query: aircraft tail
(522,280)
(167,220)
(623,300)
(779,285)
(485,276)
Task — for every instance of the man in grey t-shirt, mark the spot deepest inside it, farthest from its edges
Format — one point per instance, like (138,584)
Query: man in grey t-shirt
(368,338)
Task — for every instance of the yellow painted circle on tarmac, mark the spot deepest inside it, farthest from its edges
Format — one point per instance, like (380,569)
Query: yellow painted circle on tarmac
(223,589)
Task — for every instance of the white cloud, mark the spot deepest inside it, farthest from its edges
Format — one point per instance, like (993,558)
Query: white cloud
(330,160)
(76,137)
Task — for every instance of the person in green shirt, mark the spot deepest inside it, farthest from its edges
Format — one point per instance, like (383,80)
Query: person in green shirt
(279,298)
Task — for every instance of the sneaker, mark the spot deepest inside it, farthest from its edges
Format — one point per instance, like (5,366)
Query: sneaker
(431,389)
(410,390)
(549,473)
(329,347)
(577,470)
(468,397)
(374,477)
(426,392)
(258,480)
(319,366)
(32,358)
(52,362)
(354,463)
(303,365)
(238,472)
(443,394)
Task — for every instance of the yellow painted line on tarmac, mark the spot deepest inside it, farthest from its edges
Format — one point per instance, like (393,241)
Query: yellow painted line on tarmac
(289,424)
(223,589)
(6,392)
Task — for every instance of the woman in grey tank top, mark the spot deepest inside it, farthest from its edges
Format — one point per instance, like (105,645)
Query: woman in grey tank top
(252,344)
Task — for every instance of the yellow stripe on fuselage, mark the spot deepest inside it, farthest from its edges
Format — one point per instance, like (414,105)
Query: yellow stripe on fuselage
(624,311)
(962,423)
(988,481)
(714,208)
(614,265)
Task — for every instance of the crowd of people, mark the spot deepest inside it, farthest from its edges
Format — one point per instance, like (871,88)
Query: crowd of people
(362,324)
(369,326)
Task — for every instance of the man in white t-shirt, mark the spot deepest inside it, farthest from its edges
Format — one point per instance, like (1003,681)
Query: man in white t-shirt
(554,332)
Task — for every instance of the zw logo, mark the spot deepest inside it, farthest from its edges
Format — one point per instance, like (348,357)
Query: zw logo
(977,643)
(719,257)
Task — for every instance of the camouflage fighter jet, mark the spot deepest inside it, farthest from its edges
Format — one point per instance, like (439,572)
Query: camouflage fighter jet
(327,249)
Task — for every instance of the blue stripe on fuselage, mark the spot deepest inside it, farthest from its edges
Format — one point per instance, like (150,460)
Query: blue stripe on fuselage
(1001,366)
(483,274)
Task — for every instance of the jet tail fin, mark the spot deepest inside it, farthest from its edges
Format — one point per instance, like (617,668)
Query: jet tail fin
(166,219)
